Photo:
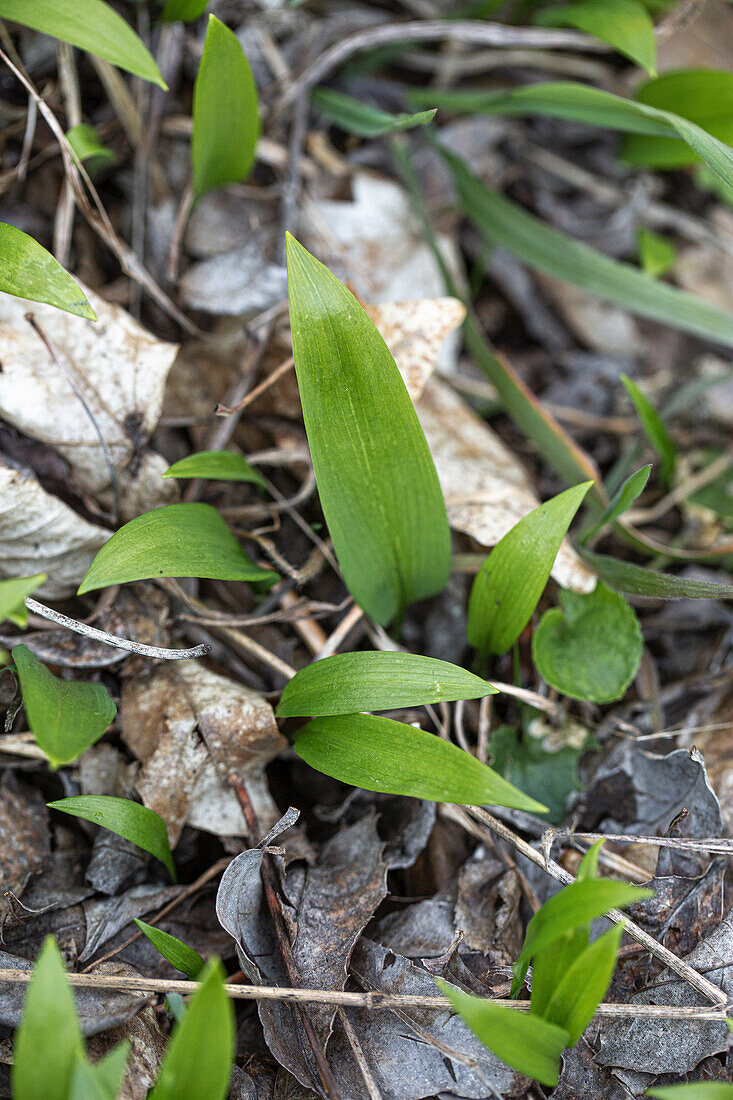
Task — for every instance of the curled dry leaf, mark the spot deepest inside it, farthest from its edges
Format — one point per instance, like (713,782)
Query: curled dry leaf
(191,728)
(116,367)
(39,533)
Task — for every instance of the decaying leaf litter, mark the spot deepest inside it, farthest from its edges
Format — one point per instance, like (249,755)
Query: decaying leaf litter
(359,899)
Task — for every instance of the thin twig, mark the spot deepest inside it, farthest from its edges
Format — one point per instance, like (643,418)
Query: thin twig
(719,845)
(114,639)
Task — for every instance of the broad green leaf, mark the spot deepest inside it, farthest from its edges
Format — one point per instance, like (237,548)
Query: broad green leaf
(359,118)
(511,580)
(549,775)
(128,819)
(377,482)
(176,952)
(12,597)
(656,254)
(198,1062)
(621,502)
(379,754)
(503,222)
(654,427)
(29,271)
(694,1090)
(581,103)
(226,118)
(591,649)
(183,11)
(583,985)
(635,580)
(48,1042)
(349,682)
(703,97)
(528,1044)
(624,24)
(91,25)
(573,907)
(177,540)
(85,143)
(216,465)
(65,716)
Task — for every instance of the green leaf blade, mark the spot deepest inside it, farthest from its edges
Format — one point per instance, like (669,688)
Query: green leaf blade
(511,580)
(694,1090)
(91,25)
(128,819)
(66,717)
(217,466)
(656,254)
(583,985)
(379,754)
(359,118)
(701,97)
(624,24)
(628,492)
(183,11)
(654,427)
(636,580)
(350,682)
(376,478)
(528,1044)
(12,597)
(226,119)
(177,540)
(29,271)
(173,950)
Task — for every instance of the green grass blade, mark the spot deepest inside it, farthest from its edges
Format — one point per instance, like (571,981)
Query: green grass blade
(29,271)
(128,819)
(376,477)
(217,466)
(510,582)
(583,985)
(636,580)
(91,25)
(359,118)
(198,1062)
(349,682)
(657,254)
(695,1090)
(12,597)
(528,1044)
(703,97)
(183,11)
(48,1042)
(378,754)
(503,222)
(624,24)
(226,119)
(654,427)
(621,502)
(177,540)
(65,716)
(173,950)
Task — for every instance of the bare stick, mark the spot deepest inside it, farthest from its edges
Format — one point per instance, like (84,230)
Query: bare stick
(114,639)
(722,846)
(670,960)
(372,1000)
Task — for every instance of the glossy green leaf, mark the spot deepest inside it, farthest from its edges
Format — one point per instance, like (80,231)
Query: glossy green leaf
(226,118)
(654,427)
(540,246)
(378,754)
(551,776)
(528,1044)
(85,143)
(183,11)
(176,952)
(91,25)
(624,24)
(12,597)
(48,1042)
(573,907)
(349,682)
(621,502)
(376,478)
(511,580)
(198,1062)
(583,985)
(217,466)
(65,716)
(636,580)
(128,819)
(359,118)
(591,649)
(177,540)
(694,1090)
(29,271)
(703,97)
(656,254)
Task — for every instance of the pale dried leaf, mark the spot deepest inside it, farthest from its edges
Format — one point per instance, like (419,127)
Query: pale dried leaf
(39,533)
(415,332)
